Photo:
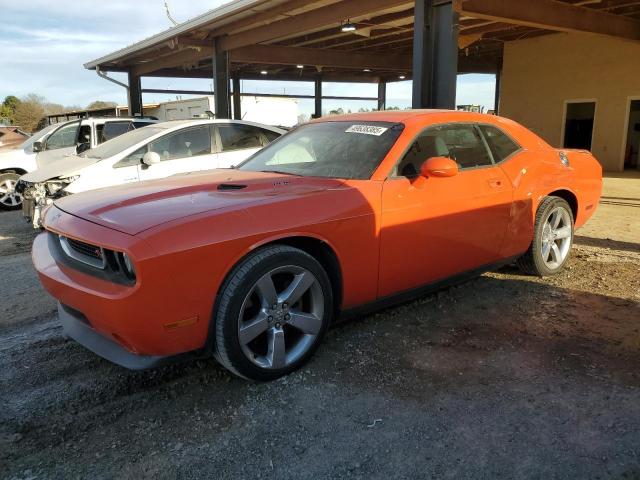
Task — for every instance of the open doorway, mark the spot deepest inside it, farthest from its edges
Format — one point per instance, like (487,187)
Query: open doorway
(578,124)
(632,144)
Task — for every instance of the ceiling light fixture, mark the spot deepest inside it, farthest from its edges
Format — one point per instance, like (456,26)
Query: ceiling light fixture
(366,70)
(299,66)
(263,72)
(348,27)
(402,77)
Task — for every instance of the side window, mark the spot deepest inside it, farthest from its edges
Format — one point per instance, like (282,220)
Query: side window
(113,130)
(134,158)
(85,134)
(190,142)
(140,124)
(99,129)
(238,137)
(500,144)
(270,135)
(465,146)
(461,143)
(63,137)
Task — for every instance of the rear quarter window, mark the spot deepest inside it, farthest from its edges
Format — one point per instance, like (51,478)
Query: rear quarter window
(500,144)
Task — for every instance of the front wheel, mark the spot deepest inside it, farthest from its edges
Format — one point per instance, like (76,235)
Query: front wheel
(9,198)
(552,239)
(272,313)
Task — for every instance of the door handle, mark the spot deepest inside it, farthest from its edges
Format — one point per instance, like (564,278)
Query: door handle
(495,182)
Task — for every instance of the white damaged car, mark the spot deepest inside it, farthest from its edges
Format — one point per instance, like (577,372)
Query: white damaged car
(55,142)
(151,152)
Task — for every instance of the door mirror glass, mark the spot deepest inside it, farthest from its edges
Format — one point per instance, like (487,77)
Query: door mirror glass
(82,147)
(150,158)
(37,147)
(439,167)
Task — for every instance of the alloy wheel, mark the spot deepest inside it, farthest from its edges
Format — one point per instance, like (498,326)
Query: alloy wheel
(556,237)
(281,317)
(8,196)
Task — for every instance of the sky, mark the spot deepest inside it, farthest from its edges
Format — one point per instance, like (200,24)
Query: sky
(44,44)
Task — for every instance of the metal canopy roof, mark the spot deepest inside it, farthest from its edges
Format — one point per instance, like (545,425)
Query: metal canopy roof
(278,36)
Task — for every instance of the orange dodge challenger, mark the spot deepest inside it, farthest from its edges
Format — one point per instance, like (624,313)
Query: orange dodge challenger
(344,214)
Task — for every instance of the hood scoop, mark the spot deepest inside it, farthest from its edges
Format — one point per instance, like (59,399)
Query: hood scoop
(223,187)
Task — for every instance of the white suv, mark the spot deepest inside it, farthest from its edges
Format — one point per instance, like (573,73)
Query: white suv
(54,143)
(156,151)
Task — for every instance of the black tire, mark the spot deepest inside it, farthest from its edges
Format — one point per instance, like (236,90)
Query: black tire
(11,177)
(532,261)
(238,287)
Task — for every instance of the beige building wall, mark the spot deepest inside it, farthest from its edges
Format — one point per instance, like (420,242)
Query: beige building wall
(540,74)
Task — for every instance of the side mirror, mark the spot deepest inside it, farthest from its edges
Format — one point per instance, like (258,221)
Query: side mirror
(150,158)
(37,147)
(82,147)
(439,167)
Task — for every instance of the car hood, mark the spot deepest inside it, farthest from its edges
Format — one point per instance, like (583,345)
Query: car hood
(136,207)
(63,167)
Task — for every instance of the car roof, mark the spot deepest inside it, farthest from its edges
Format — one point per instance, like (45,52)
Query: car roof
(203,121)
(525,137)
(405,116)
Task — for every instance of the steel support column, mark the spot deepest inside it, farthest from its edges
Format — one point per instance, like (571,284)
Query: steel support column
(496,108)
(318,97)
(435,54)
(382,95)
(237,101)
(221,81)
(135,95)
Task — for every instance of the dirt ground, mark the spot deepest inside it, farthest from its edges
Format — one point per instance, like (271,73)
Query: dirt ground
(505,376)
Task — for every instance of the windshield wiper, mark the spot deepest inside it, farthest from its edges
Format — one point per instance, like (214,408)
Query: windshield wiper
(282,173)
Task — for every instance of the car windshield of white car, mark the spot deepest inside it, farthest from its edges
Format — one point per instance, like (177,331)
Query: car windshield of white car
(36,137)
(122,142)
(340,149)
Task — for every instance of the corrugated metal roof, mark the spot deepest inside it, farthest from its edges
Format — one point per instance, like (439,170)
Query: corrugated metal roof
(223,14)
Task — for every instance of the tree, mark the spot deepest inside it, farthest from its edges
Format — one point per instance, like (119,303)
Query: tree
(8,108)
(11,101)
(29,112)
(98,104)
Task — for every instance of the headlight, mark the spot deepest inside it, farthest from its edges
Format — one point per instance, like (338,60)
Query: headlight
(127,265)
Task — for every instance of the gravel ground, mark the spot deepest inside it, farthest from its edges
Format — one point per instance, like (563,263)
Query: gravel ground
(505,376)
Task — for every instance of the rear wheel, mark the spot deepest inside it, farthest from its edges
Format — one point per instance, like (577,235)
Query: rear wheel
(9,198)
(272,313)
(552,240)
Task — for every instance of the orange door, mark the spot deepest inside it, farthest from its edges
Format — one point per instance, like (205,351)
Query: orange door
(433,228)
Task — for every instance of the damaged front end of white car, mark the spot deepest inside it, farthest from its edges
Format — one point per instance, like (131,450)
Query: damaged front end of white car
(37,197)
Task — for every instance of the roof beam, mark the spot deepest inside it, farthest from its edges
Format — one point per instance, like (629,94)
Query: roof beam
(310,76)
(181,58)
(279,55)
(552,15)
(395,20)
(313,20)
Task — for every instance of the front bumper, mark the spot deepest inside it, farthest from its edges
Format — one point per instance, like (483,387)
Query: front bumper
(145,319)
(76,326)
(35,201)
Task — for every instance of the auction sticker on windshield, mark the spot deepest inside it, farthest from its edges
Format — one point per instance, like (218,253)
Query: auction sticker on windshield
(366,129)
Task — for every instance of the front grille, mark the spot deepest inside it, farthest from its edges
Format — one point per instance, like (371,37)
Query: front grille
(83,252)
(85,248)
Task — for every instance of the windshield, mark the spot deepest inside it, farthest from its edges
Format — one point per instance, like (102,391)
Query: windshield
(36,137)
(122,142)
(349,150)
